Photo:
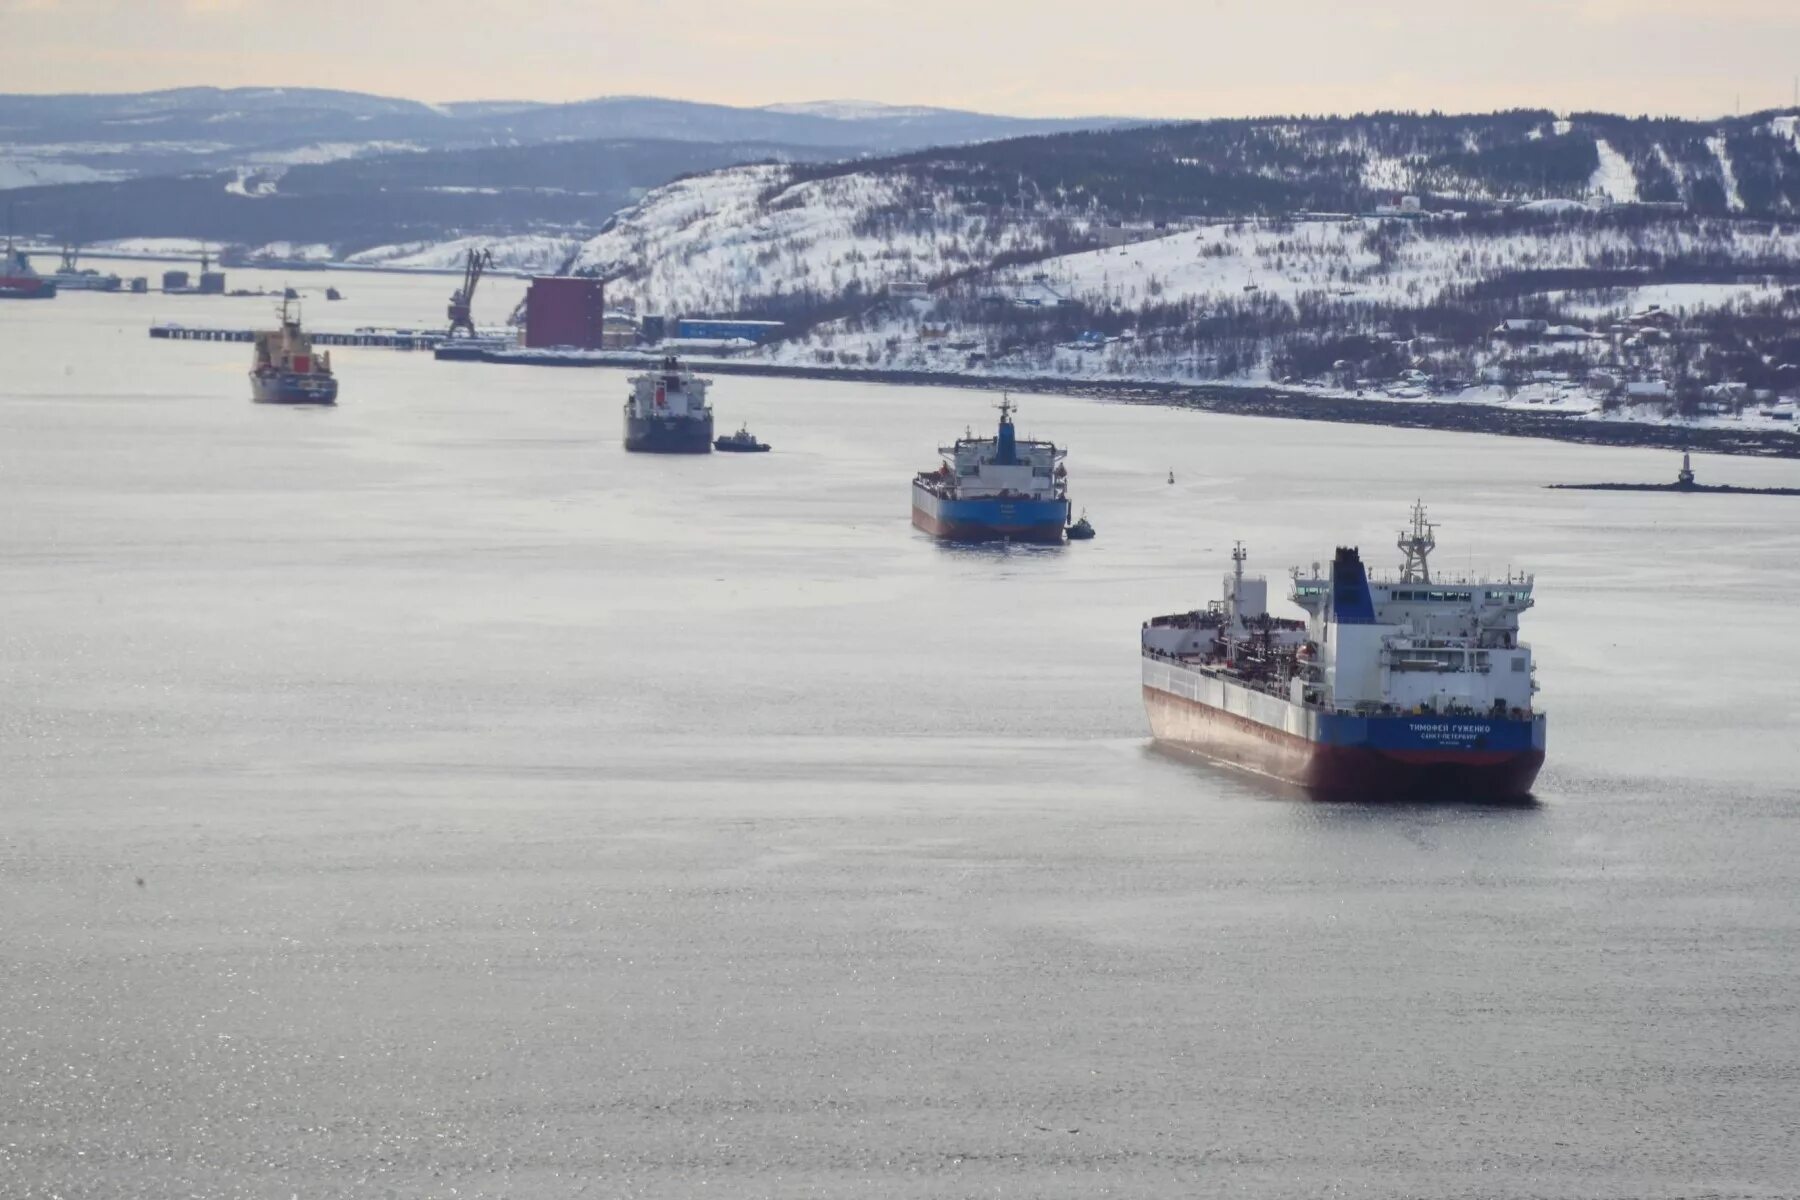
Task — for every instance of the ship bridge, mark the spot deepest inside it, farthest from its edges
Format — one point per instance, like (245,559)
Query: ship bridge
(1411,640)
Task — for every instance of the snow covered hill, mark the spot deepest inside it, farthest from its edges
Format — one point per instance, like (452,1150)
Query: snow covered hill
(714,242)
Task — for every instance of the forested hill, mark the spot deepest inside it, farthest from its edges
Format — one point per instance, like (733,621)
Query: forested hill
(1224,168)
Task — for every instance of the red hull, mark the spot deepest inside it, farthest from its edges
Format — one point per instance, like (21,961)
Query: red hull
(25,287)
(1358,771)
(960,531)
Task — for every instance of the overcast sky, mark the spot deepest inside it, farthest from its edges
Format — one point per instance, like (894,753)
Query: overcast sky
(1175,58)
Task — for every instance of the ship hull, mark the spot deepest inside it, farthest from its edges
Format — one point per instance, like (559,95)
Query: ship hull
(990,519)
(669,435)
(1410,757)
(88,283)
(288,387)
(26,288)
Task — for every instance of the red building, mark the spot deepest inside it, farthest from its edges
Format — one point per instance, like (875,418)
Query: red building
(565,310)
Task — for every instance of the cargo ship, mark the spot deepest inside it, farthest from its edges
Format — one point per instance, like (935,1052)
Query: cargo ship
(667,412)
(72,277)
(286,370)
(987,489)
(1400,686)
(19,280)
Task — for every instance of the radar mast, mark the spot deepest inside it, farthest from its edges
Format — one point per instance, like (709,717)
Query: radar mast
(1417,544)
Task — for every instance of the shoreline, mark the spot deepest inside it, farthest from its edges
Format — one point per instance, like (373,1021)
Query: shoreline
(1446,415)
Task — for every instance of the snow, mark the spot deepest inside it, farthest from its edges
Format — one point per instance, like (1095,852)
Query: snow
(1283,261)
(301,251)
(538,253)
(1727,177)
(1675,172)
(851,110)
(1678,298)
(704,243)
(155,247)
(252,183)
(1562,128)
(1788,127)
(1613,178)
(1385,173)
(37,172)
(324,152)
(1555,206)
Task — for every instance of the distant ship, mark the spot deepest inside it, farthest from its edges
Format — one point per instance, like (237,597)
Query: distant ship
(1406,687)
(71,277)
(19,280)
(286,371)
(987,489)
(667,412)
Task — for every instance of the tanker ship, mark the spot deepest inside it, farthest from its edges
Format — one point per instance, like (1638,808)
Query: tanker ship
(1397,686)
(667,412)
(986,489)
(286,371)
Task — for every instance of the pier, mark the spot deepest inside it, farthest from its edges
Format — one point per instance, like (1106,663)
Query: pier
(393,339)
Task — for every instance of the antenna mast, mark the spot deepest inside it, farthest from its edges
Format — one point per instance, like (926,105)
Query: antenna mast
(1417,544)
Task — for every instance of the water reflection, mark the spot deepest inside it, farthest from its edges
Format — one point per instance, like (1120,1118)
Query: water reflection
(1258,785)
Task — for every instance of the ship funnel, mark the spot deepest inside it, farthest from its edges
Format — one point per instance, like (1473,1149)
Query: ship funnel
(1006,451)
(1351,603)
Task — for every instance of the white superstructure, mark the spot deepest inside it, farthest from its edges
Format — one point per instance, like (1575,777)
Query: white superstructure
(1404,642)
(1001,466)
(671,391)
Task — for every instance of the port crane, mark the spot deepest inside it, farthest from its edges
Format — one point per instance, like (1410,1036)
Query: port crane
(463,298)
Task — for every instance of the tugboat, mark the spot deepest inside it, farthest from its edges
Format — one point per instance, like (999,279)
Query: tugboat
(19,280)
(1081,531)
(741,442)
(667,412)
(286,370)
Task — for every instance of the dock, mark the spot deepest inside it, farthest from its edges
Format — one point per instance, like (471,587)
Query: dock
(393,339)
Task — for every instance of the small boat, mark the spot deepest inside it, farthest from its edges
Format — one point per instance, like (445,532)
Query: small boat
(332,293)
(1081,531)
(743,441)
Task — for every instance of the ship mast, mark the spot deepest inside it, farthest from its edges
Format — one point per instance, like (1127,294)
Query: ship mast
(1232,617)
(1417,544)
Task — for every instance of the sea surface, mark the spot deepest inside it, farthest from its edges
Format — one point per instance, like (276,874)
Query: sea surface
(425,798)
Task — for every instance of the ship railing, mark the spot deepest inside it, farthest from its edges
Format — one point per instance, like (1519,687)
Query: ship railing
(1513,579)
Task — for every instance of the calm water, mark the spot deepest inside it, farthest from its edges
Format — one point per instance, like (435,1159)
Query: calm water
(426,798)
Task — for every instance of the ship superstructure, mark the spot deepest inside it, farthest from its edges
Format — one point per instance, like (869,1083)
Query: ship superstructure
(285,368)
(667,412)
(71,276)
(991,488)
(1400,685)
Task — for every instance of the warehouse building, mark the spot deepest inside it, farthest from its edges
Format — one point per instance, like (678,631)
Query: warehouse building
(567,311)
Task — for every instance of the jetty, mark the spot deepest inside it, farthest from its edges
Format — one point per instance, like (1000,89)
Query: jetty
(395,339)
(1684,482)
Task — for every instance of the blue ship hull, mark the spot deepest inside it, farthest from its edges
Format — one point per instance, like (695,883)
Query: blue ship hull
(1017,519)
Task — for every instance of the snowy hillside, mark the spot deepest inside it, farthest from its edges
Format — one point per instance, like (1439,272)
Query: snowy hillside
(535,254)
(712,242)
